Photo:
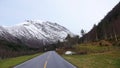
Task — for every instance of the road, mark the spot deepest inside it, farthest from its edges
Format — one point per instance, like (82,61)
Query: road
(49,59)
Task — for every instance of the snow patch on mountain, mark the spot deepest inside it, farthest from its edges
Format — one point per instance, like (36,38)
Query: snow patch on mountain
(45,32)
(40,30)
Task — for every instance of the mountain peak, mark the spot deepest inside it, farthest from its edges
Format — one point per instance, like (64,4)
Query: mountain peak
(38,32)
(28,22)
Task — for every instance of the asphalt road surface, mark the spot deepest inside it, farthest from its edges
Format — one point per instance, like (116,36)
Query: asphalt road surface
(49,59)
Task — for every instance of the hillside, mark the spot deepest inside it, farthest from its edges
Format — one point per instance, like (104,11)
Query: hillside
(108,28)
(34,33)
(30,37)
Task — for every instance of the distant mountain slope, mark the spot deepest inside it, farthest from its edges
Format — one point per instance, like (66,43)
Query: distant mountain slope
(35,33)
(4,35)
(108,28)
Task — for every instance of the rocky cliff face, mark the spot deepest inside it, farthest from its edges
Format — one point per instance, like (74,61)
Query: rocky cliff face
(35,33)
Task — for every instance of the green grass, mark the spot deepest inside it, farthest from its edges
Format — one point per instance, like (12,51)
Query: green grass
(98,57)
(10,62)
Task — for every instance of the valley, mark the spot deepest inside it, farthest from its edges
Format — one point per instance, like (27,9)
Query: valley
(43,44)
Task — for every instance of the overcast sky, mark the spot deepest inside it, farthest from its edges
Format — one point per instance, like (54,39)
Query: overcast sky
(73,14)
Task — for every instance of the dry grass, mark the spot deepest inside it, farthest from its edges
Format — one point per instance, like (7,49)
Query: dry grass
(96,56)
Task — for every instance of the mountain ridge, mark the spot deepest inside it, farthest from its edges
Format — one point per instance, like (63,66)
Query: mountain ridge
(37,33)
(107,29)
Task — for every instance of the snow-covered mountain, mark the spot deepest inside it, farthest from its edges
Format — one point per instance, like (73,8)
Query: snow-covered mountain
(36,33)
(5,35)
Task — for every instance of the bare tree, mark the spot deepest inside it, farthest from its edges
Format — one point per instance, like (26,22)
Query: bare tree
(96,35)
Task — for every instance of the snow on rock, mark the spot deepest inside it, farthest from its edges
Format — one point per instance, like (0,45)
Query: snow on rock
(40,30)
